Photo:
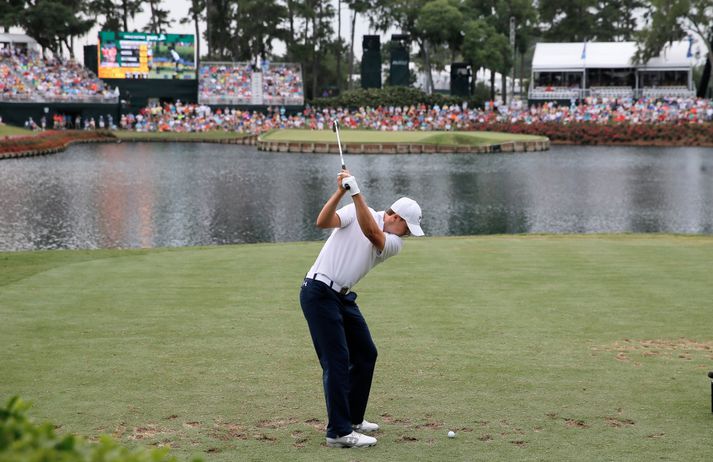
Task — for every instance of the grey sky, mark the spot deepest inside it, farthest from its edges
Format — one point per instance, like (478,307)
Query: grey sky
(179,9)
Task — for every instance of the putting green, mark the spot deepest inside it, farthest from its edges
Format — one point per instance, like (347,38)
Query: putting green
(9,130)
(373,136)
(529,347)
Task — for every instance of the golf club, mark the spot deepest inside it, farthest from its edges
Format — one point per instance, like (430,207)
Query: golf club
(335,128)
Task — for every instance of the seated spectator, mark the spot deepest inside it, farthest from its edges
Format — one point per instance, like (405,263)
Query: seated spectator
(225,83)
(33,78)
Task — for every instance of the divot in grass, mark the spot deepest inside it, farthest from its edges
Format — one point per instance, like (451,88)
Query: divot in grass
(573,423)
(681,348)
(406,439)
(619,423)
(317,424)
(278,423)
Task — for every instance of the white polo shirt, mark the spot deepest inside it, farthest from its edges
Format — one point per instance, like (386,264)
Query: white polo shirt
(348,255)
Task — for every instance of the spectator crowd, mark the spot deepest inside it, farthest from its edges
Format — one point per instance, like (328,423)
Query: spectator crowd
(199,117)
(27,76)
(245,83)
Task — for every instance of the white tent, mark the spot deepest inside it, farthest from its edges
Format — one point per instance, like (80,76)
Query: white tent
(574,70)
(16,39)
(557,56)
(674,56)
(612,55)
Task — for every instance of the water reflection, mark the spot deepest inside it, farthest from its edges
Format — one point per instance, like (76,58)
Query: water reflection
(155,195)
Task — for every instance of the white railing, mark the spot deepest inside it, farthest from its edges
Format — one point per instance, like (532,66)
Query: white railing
(42,98)
(668,91)
(612,92)
(223,99)
(555,93)
(560,93)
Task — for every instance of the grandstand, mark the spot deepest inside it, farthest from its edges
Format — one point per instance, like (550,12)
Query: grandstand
(242,84)
(38,88)
(574,71)
(27,77)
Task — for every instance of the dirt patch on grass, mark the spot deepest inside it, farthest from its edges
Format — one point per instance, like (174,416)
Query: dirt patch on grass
(300,439)
(681,348)
(406,439)
(389,419)
(317,424)
(569,422)
(429,424)
(574,423)
(617,422)
(265,437)
(146,432)
(227,431)
(166,443)
(277,423)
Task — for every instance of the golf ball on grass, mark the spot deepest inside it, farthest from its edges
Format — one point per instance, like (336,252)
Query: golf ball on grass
(451,434)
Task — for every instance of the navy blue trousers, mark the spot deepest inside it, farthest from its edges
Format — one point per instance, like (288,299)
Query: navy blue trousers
(345,351)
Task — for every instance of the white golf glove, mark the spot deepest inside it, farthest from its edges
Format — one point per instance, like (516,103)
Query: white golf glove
(352,183)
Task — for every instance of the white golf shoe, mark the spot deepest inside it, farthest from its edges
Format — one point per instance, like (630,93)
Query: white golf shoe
(366,427)
(352,440)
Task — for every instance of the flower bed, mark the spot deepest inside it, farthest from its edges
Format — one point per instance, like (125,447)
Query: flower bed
(49,142)
(683,134)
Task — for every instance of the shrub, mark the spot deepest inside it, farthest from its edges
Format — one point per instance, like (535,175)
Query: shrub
(387,96)
(679,134)
(22,440)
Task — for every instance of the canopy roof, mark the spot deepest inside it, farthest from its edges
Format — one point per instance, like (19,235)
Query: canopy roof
(17,38)
(578,55)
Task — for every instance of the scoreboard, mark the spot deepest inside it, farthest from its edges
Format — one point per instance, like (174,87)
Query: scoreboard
(136,55)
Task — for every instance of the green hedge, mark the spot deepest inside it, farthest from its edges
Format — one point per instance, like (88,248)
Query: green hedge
(392,96)
(21,440)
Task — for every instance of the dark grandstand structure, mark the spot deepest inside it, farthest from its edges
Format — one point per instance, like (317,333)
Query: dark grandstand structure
(38,89)
(35,88)
(574,71)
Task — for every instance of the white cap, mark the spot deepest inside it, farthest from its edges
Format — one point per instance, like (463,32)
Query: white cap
(409,210)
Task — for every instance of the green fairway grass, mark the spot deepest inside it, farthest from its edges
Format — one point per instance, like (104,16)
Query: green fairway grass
(9,130)
(547,348)
(373,136)
(176,136)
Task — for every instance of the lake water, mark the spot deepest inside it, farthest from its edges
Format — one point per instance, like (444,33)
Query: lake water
(174,194)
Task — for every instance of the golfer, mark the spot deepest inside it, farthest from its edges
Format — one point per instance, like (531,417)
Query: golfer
(362,238)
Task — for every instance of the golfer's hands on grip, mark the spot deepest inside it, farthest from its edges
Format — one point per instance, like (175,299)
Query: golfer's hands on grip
(345,178)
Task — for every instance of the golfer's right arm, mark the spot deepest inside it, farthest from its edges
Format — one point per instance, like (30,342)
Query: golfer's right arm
(363,215)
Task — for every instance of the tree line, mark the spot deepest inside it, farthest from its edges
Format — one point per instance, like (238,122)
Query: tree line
(441,31)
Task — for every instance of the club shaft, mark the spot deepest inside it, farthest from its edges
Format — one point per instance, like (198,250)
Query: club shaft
(339,143)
